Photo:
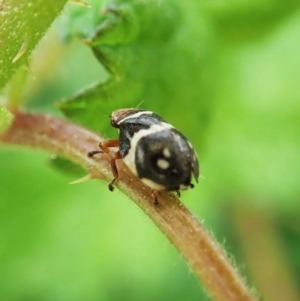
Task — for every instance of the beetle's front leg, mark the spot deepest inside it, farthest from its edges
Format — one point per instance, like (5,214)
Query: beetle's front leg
(114,170)
(106,144)
(104,149)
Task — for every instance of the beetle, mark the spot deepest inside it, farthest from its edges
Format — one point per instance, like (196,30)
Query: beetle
(157,153)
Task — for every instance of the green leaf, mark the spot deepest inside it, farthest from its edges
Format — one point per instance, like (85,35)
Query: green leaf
(6,119)
(80,21)
(22,25)
(150,61)
(121,26)
(240,21)
(93,106)
(67,166)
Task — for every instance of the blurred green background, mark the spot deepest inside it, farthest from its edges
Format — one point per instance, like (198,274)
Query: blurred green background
(226,74)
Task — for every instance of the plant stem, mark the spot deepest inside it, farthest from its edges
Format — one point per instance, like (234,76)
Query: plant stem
(197,246)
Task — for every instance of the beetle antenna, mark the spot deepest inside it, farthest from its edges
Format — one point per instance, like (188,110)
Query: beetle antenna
(140,103)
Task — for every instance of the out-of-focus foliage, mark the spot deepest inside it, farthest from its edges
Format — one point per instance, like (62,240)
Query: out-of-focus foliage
(6,119)
(226,73)
(253,141)
(241,21)
(79,242)
(22,24)
(65,165)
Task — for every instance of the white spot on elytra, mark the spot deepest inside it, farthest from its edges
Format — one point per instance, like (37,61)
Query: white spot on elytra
(129,159)
(166,152)
(163,164)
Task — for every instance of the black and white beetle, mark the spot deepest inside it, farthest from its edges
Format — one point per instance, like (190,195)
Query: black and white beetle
(158,154)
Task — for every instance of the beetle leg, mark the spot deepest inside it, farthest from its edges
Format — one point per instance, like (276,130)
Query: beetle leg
(155,194)
(104,147)
(114,170)
(106,144)
(178,193)
(92,153)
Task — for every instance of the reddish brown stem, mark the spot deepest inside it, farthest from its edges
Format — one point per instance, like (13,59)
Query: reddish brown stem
(202,253)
